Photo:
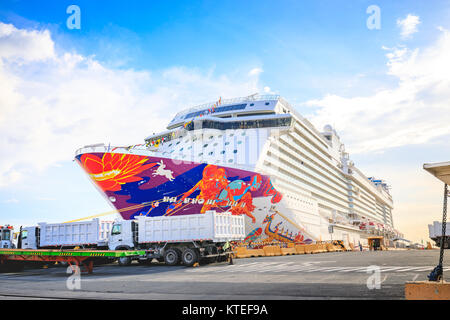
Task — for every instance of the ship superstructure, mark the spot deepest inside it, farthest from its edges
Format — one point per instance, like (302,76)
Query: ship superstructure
(253,156)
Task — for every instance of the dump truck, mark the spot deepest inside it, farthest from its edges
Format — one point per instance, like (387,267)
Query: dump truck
(178,239)
(435,233)
(86,234)
(185,239)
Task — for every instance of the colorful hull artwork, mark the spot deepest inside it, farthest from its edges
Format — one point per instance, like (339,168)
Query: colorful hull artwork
(152,186)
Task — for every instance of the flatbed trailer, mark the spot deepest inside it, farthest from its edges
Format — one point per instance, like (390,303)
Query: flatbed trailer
(79,258)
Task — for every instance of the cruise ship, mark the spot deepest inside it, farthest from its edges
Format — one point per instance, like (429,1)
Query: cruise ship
(254,156)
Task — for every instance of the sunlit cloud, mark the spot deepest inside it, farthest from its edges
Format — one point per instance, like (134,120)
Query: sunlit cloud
(415,111)
(53,102)
(408,25)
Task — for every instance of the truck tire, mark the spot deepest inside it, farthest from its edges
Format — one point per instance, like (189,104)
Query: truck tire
(171,257)
(124,261)
(189,257)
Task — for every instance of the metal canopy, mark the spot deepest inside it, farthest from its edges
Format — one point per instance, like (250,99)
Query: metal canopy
(440,170)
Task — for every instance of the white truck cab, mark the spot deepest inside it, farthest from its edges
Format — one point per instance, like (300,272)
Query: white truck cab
(30,237)
(6,235)
(123,235)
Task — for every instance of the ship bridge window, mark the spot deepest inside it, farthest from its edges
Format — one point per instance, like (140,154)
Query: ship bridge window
(216,110)
(245,124)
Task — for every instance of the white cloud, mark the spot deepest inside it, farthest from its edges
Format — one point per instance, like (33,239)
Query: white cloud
(52,103)
(408,25)
(268,90)
(12,200)
(255,72)
(416,111)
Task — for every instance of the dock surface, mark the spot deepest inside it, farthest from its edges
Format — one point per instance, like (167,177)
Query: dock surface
(334,275)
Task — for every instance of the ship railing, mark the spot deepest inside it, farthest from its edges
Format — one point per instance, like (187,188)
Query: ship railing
(101,148)
(255,97)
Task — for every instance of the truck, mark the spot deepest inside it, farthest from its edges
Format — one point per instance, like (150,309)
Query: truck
(435,233)
(6,237)
(178,239)
(85,234)
(185,239)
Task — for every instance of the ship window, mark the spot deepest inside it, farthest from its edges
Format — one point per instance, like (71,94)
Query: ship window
(227,143)
(235,151)
(211,137)
(211,153)
(24,234)
(219,109)
(181,149)
(200,154)
(170,145)
(222,152)
(231,134)
(231,160)
(215,144)
(252,104)
(205,145)
(245,124)
(190,147)
(267,103)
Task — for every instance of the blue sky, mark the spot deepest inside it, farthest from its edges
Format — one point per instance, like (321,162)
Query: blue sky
(297,43)
(182,53)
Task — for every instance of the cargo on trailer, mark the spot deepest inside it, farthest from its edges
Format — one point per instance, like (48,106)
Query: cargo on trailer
(86,234)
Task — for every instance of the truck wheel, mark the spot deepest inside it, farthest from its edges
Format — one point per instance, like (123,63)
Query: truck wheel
(124,261)
(189,257)
(171,257)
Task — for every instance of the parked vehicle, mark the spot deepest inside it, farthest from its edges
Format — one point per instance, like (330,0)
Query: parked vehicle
(6,237)
(175,239)
(86,234)
(171,239)
(435,232)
